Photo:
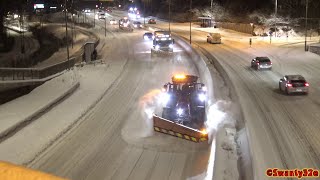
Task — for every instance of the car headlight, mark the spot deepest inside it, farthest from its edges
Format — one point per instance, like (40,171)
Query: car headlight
(202,97)
(157,47)
(135,25)
(145,37)
(171,46)
(179,111)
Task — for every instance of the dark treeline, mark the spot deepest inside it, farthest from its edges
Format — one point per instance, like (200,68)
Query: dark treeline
(292,8)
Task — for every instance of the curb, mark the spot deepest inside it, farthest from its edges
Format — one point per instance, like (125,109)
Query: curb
(13,129)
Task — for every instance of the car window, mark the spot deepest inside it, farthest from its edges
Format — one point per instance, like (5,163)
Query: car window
(297,81)
(264,60)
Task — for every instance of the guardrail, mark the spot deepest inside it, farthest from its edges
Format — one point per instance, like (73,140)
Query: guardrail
(7,74)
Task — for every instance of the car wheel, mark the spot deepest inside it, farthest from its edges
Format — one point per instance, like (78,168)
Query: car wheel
(270,69)
(287,92)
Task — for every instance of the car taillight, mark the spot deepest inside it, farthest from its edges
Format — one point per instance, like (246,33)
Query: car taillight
(306,84)
(270,62)
(289,85)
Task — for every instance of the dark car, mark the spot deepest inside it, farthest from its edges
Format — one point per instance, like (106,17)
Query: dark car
(152,21)
(148,36)
(261,63)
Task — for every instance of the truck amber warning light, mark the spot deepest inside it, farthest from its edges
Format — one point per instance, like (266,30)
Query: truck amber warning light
(293,173)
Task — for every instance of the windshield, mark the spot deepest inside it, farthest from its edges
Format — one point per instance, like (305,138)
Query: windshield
(164,43)
(298,81)
(264,60)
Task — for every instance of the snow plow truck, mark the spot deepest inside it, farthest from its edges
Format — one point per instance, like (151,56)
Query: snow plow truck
(162,42)
(184,109)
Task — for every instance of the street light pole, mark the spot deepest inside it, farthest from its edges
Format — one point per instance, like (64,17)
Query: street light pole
(65,15)
(190,18)
(169,13)
(105,27)
(144,13)
(306,25)
(275,24)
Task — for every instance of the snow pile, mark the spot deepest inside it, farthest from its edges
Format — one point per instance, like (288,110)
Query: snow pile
(148,105)
(22,109)
(219,116)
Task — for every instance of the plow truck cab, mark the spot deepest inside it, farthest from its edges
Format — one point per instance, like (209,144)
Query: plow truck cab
(162,42)
(184,109)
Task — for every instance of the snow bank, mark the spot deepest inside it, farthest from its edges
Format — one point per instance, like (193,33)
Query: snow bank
(52,125)
(23,109)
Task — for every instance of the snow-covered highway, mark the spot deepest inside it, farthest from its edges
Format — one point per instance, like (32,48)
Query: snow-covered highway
(282,130)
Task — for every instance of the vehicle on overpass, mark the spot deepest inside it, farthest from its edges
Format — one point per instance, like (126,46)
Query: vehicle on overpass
(293,84)
(162,42)
(260,63)
(184,108)
(214,38)
(125,24)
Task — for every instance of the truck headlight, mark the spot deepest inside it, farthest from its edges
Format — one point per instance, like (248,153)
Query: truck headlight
(165,99)
(171,46)
(202,97)
(179,111)
(157,47)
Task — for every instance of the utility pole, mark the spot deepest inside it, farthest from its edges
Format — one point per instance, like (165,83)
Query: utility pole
(144,13)
(94,17)
(105,27)
(306,26)
(275,24)
(169,13)
(211,6)
(65,15)
(72,24)
(190,18)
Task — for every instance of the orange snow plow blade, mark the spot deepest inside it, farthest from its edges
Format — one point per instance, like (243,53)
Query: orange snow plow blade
(178,130)
(10,171)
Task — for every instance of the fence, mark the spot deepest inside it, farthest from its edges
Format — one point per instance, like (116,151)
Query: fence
(315,49)
(35,73)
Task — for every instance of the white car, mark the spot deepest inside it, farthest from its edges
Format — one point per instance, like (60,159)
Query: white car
(101,16)
(293,84)
(113,21)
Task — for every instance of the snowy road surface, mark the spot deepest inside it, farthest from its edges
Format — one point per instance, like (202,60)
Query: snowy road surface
(282,130)
(111,142)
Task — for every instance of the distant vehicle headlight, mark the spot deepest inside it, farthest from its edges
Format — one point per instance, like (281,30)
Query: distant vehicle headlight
(145,37)
(135,25)
(157,47)
(179,111)
(171,46)
(202,97)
